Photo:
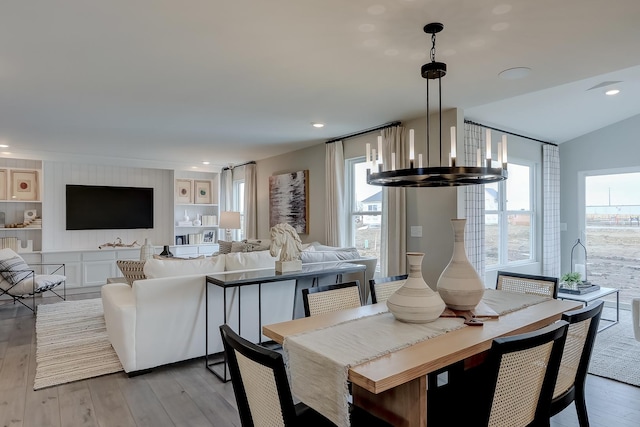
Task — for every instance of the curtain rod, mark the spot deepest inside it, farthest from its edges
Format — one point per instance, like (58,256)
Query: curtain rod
(510,133)
(362,132)
(252,162)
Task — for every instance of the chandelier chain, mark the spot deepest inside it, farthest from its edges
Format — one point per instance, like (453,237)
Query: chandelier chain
(433,47)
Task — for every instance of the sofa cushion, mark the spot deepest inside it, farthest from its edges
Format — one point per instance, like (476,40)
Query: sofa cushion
(249,260)
(156,268)
(321,256)
(131,270)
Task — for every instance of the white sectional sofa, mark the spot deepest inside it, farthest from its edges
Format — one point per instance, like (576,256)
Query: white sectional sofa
(161,319)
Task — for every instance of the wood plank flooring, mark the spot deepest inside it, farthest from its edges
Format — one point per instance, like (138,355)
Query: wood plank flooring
(184,394)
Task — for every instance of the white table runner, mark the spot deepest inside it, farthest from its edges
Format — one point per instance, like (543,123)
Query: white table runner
(319,360)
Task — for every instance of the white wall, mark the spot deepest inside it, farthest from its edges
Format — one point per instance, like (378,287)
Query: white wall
(58,174)
(613,148)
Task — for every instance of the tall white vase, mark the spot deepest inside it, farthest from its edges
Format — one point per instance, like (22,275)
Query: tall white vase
(415,301)
(459,284)
(146,251)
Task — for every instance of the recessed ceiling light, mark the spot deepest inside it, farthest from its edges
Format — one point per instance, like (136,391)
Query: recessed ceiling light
(194,167)
(206,163)
(515,73)
(4,146)
(612,92)
(317,125)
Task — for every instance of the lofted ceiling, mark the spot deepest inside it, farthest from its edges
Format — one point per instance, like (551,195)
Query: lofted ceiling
(232,81)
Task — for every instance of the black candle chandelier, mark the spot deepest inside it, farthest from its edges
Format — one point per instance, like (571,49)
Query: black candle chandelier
(436,176)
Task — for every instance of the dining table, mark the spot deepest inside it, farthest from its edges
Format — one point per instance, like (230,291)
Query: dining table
(393,386)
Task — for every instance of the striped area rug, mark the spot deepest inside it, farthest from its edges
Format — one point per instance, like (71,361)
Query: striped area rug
(72,343)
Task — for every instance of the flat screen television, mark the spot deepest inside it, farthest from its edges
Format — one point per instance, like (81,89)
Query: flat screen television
(94,207)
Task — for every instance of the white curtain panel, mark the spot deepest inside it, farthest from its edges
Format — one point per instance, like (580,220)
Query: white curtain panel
(250,201)
(335,218)
(226,195)
(393,247)
(474,200)
(551,210)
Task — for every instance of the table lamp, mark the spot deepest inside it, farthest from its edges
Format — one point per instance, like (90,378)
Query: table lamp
(229,221)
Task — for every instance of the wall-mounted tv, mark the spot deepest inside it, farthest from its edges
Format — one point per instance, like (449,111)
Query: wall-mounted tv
(94,207)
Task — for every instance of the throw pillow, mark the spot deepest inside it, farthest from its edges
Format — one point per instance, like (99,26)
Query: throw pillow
(250,245)
(225,247)
(131,270)
(14,269)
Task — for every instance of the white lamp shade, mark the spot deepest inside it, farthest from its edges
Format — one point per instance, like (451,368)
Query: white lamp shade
(230,220)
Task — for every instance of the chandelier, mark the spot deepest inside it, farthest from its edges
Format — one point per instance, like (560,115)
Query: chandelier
(427,175)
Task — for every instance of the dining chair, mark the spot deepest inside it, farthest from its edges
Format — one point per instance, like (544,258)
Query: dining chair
(383,287)
(514,386)
(570,385)
(527,284)
(261,388)
(329,298)
(635,314)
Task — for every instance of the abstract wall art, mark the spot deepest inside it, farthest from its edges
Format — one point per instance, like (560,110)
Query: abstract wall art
(289,201)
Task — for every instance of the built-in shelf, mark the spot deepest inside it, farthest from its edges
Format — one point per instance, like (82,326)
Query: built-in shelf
(197,226)
(20,228)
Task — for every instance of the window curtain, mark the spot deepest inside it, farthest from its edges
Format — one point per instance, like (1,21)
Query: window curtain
(250,201)
(335,218)
(394,207)
(551,210)
(226,195)
(474,201)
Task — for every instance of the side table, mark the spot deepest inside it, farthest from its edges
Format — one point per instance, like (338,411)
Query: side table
(592,296)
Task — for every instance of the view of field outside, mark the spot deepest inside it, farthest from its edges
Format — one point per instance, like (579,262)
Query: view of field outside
(612,217)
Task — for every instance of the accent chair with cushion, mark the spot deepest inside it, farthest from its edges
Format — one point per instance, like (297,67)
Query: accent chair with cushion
(583,327)
(326,299)
(527,284)
(20,281)
(262,392)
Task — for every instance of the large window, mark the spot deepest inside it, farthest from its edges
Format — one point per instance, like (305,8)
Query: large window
(510,218)
(364,210)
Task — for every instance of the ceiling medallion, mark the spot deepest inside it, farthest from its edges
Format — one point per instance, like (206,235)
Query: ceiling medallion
(441,175)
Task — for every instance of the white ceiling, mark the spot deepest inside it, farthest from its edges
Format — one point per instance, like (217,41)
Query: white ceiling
(232,81)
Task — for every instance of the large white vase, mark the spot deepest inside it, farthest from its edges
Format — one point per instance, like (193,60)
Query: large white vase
(415,301)
(459,284)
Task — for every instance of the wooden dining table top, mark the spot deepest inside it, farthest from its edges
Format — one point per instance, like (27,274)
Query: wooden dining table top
(417,360)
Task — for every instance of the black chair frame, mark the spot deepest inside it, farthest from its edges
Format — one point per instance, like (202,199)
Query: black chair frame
(530,277)
(576,393)
(557,333)
(324,288)
(374,282)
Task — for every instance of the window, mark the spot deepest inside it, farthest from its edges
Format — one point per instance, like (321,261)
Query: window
(510,218)
(238,205)
(364,209)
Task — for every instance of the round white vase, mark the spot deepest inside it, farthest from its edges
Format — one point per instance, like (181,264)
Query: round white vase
(459,284)
(415,301)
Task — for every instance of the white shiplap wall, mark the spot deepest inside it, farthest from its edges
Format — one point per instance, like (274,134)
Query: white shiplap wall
(58,174)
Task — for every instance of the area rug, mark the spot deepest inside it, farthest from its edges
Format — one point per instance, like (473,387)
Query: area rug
(616,354)
(72,343)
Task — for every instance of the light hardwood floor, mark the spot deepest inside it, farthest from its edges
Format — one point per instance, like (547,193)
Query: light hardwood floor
(184,394)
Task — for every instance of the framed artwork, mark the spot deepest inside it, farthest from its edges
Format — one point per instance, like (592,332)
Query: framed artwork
(207,236)
(289,200)
(24,185)
(184,191)
(3,184)
(202,191)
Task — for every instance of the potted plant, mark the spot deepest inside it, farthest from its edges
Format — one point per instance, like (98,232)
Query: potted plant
(571,280)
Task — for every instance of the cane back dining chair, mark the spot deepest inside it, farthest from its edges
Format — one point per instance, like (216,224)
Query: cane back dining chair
(329,298)
(514,386)
(383,287)
(262,391)
(527,284)
(570,385)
